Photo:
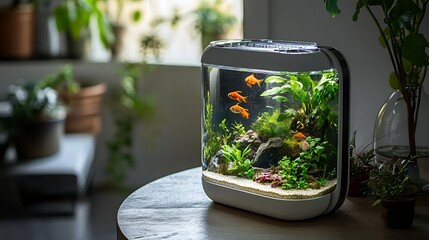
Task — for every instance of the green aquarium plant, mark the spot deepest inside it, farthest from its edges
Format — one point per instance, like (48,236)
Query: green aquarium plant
(294,173)
(318,154)
(213,142)
(308,98)
(309,170)
(225,132)
(241,165)
(267,125)
(238,129)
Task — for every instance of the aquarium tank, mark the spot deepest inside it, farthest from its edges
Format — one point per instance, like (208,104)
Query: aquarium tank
(275,127)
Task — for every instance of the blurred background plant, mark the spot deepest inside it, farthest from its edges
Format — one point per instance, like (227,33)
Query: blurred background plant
(75,16)
(131,108)
(211,19)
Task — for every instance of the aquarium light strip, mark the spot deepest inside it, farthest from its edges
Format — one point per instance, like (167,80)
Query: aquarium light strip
(270,45)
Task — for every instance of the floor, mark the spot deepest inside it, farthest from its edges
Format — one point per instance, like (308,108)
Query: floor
(94,218)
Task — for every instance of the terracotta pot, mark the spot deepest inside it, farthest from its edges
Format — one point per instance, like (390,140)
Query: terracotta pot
(398,213)
(38,138)
(84,109)
(17,31)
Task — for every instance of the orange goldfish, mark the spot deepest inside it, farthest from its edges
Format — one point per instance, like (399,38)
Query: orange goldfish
(245,114)
(252,80)
(299,136)
(240,110)
(236,96)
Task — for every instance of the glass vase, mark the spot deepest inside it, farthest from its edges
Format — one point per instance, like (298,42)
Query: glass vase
(394,137)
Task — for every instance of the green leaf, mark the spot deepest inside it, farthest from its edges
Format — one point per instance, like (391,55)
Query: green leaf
(104,30)
(280,98)
(414,49)
(383,43)
(136,16)
(275,79)
(332,7)
(394,82)
(282,117)
(272,91)
(385,4)
(402,13)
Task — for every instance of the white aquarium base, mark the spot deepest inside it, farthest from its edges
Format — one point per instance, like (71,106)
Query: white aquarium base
(285,209)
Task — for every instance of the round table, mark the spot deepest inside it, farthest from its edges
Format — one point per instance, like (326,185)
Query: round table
(176,207)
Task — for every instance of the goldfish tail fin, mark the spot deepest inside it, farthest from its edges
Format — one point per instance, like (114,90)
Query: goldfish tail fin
(245,99)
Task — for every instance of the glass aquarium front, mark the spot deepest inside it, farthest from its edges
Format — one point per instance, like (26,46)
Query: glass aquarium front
(271,133)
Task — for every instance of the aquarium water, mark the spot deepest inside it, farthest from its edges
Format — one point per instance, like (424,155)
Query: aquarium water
(273,127)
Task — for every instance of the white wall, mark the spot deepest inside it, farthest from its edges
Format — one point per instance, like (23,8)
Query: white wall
(307,20)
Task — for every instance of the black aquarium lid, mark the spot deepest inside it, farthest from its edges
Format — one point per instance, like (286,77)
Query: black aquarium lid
(267,54)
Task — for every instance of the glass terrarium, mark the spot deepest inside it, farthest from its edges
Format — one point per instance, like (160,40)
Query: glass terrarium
(275,127)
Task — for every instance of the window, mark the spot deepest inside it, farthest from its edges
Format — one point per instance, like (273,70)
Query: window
(182,43)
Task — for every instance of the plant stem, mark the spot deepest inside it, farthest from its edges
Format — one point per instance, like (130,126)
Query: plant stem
(410,100)
(380,30)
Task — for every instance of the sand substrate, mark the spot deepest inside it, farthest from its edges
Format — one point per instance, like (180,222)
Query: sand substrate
(265,188)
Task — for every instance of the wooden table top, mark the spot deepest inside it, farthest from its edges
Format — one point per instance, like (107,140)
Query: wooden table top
(176,207)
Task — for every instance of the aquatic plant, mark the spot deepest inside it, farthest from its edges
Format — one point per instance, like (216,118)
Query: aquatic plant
(212,142)
(294,173)
(309,100)
(238,129)
(318,153)
(241,165)
(267,125)
(270,175)
(225,132)
(292,147)
(310,168)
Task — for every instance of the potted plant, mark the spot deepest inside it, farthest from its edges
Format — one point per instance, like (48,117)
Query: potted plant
(83,100)
(391,185)
(17,29)
(361,163)
(36,124)
(400,35)
(74,17)
(114,10)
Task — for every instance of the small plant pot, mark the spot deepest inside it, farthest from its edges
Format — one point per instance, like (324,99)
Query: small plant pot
(398,213)
(356,187)
(84,109)
(17,32)
(38,138)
